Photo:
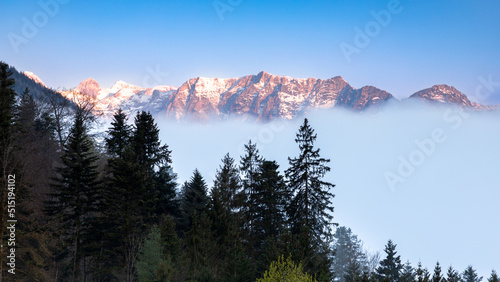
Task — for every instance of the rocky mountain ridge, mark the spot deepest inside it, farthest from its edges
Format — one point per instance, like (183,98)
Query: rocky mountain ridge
(262,97)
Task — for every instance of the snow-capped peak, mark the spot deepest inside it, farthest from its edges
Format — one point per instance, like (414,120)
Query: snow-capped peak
(34,77)
(120,84)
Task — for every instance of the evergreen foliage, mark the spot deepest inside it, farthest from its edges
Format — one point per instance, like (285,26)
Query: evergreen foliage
(493,277)
(310,208)
(437,277)
(349,256)
(408,273)
(390,267)
(75,199)
(470,275)
(452,275)
(194,199)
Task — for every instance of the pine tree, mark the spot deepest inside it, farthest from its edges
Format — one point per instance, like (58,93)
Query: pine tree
(390,268)
(422,273)
(470,275)
(35,152)
(140,187)
(452,275)
(118,135)
(437,277)
(271,198)
(194,199)
(165,181)
(75,198)
(408,273)
(155,161)
(249,167)
(353,272)
(493,277)
(228,185)
(229,251)
(348,252)
(309,211)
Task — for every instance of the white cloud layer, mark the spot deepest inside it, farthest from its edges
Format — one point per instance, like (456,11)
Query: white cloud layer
(444,205)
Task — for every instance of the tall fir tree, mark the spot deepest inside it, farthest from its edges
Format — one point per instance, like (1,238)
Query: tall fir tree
(452,275)
(437,277)
(407,273)
(194,200)
(141,187)
(75,199)
(229,252)
(155,161)
(470,275)
(35,150)
(249,167)
(118,135)
(390,267)
(228,185)
(310,210)
(348,252)
(493,277)
(271,198)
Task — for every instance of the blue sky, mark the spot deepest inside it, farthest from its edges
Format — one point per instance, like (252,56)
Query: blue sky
(448,202)
(424,43)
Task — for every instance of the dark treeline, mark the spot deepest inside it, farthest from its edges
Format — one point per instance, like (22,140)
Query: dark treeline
(115,212)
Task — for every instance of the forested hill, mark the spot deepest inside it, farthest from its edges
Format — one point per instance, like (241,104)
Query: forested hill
(38,91)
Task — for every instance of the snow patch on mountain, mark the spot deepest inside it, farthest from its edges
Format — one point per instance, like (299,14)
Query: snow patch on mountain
(34,77)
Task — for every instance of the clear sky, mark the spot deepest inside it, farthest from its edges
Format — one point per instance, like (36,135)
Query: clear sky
(422,44)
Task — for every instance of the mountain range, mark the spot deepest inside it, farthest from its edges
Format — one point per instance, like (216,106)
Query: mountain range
(262,97)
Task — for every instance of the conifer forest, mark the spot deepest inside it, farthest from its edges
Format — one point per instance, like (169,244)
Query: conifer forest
(111,208)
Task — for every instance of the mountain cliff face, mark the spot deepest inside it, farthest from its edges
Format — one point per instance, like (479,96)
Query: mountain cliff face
(265,96)
(262,97)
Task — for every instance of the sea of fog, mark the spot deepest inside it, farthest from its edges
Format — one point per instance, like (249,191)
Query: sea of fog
(429,179)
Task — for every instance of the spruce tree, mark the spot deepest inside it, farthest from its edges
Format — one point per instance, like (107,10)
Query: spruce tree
(194,199)
(452,275)
(311,206)
(118,135)
(140,186)
(158,179)
(437,277)
(470,275)
(309,211)
(228,250)
(348,252)
(271,198)
(407,273)
(228,185)
(249,166)
(422,273)
(493,277)
(75,199)
(390,267)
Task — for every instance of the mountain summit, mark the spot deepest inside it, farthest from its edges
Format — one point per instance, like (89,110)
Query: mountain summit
(262,96)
